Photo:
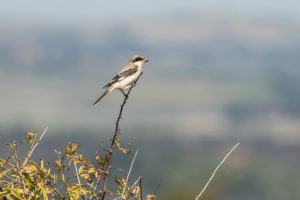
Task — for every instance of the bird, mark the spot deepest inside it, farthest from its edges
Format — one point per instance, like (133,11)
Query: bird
(126,77)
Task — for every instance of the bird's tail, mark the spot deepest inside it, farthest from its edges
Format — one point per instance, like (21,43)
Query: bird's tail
(99,99)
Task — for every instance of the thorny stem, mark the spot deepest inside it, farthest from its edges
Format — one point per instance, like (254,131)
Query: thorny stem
(112,146)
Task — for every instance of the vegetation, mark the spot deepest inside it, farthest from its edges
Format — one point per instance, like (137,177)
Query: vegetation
(27,179)
(30,180)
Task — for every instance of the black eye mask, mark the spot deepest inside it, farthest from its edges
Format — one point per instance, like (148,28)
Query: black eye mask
(138,59)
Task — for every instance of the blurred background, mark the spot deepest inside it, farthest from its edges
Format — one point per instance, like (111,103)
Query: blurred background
(219,72)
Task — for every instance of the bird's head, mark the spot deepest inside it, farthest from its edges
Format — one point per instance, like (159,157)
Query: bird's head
(138,59)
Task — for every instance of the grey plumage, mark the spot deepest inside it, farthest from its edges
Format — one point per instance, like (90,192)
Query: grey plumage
(122,75)
(126,77)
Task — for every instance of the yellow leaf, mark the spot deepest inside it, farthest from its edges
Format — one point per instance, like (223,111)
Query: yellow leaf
(150,196)
(16,194)
(44,193)
(29,134)
(29,169)
(136,190)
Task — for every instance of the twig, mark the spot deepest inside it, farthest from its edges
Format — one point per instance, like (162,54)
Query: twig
(134,184)
(33,148)
(141,192)
(213,174)
(75,166)
(129,172)
(119,169)
(56,190)
(40,139)
(10,170)
(76,170)
(13,180)
(157,188)
(19,169)
(95,187)
(8,158)
(8,163)
(112,146)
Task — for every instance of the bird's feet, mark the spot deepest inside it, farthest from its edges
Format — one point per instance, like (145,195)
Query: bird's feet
(125,95)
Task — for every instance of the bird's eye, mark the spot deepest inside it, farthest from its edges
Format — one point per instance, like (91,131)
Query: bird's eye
(138,59)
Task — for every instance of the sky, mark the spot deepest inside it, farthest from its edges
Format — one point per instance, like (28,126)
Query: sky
(79,11)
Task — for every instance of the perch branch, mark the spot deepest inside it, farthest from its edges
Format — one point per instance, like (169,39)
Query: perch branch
(113,141)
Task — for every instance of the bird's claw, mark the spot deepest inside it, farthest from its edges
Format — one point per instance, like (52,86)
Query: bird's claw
(124,93)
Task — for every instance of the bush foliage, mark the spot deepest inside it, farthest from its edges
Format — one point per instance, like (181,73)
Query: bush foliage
(27,179)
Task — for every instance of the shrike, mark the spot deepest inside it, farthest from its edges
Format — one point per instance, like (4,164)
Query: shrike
(126,77)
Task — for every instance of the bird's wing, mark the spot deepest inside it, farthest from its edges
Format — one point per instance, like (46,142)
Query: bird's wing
(123,74)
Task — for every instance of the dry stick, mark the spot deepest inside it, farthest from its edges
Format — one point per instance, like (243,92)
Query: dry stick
(38,141)
(76,170)
(119,169)
(95,187)
(32,148)
(112,146)
(56,190)
(129,172)
(10,170)
(13,180)
(8,158)
(19,168)
(141,192)
(8,163)
(31,151)
(157,188)
(213,174)
(137,180)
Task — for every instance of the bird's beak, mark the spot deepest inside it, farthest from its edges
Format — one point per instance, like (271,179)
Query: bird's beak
(146,60)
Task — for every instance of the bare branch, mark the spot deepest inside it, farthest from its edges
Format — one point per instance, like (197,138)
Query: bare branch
(56,190)
(112,146)
(31,151)
(134,184)
(157,188)
(40,139)
(213,174)
(76,170)
(129,172)
(141,193)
